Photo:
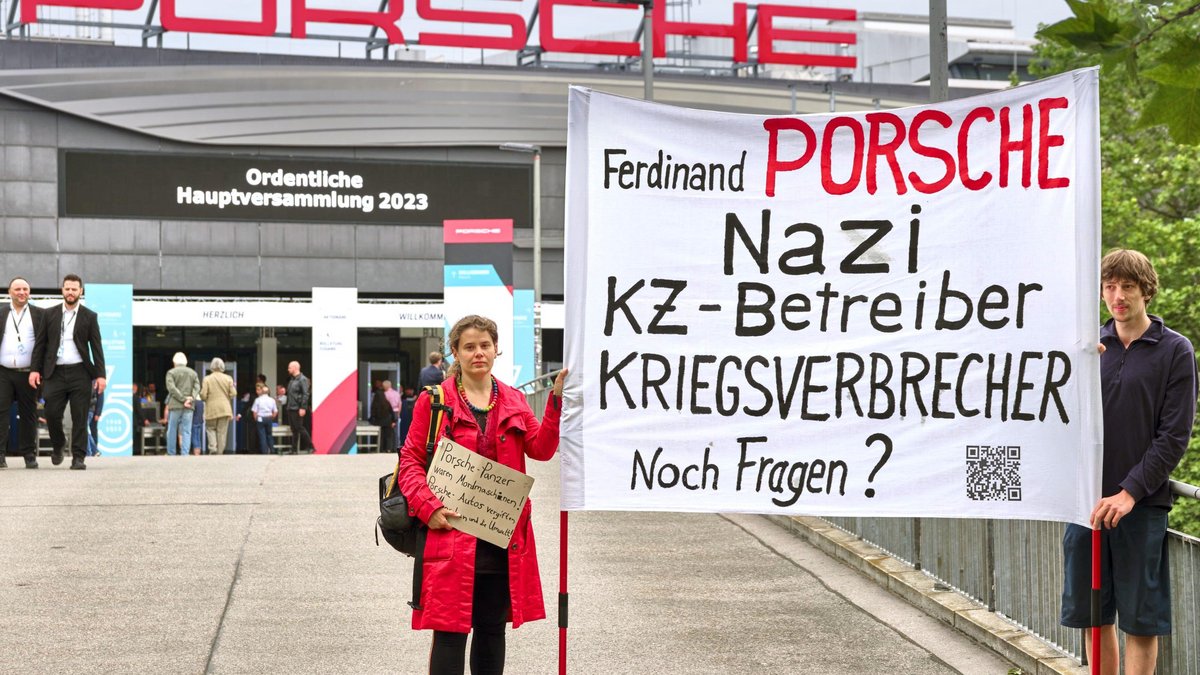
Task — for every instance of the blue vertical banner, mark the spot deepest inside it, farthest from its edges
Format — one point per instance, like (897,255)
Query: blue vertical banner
(523,336)
(478,279)
(114,305)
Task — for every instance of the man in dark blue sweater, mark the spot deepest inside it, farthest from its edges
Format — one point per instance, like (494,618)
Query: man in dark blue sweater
(431,374)
(1148,383)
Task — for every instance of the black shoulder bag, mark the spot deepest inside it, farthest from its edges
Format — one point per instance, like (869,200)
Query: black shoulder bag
(401,530)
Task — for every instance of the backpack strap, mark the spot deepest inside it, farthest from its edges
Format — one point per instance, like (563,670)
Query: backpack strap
(438,412)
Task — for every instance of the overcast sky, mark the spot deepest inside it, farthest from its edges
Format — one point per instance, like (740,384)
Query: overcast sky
(570,22)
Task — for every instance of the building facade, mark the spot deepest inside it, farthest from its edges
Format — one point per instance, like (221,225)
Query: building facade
(111,156)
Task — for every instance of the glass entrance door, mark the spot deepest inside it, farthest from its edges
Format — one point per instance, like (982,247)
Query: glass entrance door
(371,373)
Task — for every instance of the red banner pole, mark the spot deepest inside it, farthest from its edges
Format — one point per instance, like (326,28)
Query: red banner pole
(1096,601)
(562,593)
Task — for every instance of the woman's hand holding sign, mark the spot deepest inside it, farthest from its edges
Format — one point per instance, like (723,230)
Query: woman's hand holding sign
(440,520)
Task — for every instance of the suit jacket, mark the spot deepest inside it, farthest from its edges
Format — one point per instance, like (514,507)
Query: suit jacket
(35,314)
(86,334)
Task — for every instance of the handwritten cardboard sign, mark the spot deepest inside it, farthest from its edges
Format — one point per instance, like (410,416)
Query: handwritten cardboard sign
(488,495)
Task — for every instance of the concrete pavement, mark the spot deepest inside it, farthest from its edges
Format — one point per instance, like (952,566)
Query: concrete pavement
(249,564)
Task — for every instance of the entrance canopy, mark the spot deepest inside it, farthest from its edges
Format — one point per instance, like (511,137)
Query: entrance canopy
(370,105)
(281,313)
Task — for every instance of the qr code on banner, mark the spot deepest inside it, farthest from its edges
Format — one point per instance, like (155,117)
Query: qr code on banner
(994,473)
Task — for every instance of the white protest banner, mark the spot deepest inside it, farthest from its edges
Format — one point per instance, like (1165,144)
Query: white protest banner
(888,313)
(486,494)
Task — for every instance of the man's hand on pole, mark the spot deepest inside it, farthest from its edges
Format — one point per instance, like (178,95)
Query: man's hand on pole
(1110,510)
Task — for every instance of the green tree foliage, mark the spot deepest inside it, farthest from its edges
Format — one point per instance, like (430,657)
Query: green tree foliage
(1147,41)
(1149,55)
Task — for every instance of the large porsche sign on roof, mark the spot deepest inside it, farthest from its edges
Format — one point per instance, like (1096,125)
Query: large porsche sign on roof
(768,34)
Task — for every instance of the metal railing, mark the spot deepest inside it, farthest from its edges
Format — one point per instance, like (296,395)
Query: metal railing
(537,391)
(1014,568)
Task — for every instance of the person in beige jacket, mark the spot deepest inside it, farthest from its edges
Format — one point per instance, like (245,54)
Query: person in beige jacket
(218,393)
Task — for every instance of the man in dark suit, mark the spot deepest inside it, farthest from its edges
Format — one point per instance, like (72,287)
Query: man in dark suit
(67,358)
(432,373)
(22,326)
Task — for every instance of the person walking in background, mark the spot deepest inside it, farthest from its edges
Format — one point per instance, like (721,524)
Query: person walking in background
(469,584)
(406,415)
(217,392)
(22,322)
(376,387)
(140,420)
(383,417)
(94,412)
(393,398)
(298,398)
(247,426)
(264,412)
(432,373)
(183,387)
(68,362)
(198,436)
(246,437)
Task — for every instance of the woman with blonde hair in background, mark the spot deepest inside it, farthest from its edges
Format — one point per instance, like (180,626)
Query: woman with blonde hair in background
(217,392)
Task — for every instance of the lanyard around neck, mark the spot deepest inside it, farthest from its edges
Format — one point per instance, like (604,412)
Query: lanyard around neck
(68,324)
(17,322)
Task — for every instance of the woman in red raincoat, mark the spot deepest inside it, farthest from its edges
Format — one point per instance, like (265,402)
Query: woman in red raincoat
(468,583)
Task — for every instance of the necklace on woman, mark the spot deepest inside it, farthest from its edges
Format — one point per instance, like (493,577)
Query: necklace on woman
(491,403)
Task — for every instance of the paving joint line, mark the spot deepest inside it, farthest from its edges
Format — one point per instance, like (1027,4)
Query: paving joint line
(237,575)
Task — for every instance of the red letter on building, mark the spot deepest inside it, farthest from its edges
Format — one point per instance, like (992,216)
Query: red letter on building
(736,32)
(516,28)
(29,7)
(604,47)
(768,34)
(172,21)
(302,15)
